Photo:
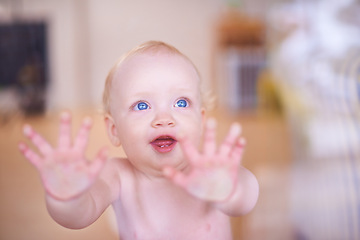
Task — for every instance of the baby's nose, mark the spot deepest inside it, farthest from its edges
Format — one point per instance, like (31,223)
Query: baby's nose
(163,120)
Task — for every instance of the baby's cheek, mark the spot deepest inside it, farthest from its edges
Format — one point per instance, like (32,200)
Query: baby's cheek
(196,136)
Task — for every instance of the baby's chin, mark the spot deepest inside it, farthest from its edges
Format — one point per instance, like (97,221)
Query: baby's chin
(155,164)
(179,163)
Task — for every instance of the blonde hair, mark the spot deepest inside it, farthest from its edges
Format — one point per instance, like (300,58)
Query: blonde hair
(147,47)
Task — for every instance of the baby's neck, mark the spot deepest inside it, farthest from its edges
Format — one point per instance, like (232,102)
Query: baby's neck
(157,175)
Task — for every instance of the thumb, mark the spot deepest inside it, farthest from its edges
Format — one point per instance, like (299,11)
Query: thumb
(175,176)
(99,162)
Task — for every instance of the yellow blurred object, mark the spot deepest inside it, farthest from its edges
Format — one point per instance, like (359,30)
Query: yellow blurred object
(269,96)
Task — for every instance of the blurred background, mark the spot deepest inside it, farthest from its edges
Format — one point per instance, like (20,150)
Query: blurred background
(287,70)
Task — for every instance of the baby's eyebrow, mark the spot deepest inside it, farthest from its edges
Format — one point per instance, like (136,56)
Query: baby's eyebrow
(142,94)
(185,89)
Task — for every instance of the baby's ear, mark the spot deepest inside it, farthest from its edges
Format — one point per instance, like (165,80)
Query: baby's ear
(112,131)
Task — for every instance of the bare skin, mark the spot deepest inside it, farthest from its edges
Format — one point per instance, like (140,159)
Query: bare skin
(167,188)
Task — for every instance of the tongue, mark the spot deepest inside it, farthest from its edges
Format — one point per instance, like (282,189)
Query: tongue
(163,142)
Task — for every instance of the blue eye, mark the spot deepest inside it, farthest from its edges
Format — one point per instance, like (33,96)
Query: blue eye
(141,106)
(182,103)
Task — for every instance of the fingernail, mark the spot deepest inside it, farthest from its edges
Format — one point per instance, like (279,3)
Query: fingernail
(236,128)
(22,147)
(87,121)
(65,116)
(167,171)
(27,130)
(242,141)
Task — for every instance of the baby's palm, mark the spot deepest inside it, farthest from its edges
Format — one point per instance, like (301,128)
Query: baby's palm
(65,172)
(214,172)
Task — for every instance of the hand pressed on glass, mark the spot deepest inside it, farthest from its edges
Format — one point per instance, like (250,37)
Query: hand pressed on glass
(65,171)
(213,174)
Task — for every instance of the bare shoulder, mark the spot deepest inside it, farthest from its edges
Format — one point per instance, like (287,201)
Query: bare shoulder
(116,166)
(116,170)
(119,165)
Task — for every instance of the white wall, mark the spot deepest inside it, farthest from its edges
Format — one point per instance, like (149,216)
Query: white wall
(87,36)
(117,26)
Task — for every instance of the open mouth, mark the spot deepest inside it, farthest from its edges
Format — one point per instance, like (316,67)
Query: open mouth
(164,144)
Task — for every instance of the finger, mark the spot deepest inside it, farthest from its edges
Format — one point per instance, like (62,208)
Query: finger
(97,165)
(64,141)
(230,139)
(189,150)
(83,135)
(175,176)
(210,137)
(43,146)
(238,151)
(30,155)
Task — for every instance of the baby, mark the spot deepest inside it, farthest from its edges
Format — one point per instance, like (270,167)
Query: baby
(175,183)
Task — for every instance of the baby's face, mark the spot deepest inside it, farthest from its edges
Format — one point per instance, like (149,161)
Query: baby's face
(154,98)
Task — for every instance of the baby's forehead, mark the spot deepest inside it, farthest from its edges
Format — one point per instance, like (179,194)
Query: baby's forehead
(136,63)
(160,56)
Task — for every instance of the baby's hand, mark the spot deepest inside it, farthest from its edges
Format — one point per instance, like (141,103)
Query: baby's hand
(64,171)
(213,173)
